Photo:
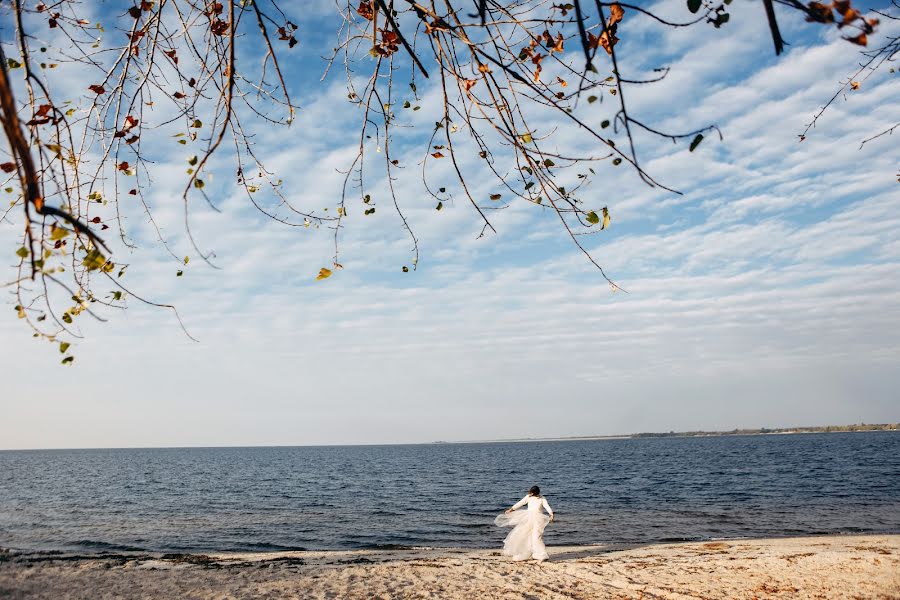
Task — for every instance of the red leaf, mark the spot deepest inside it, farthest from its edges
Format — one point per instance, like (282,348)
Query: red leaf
(97,89)
(123,166)
(8,167)
(132,192)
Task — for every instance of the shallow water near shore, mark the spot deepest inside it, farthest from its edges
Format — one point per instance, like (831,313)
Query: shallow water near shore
(630,491)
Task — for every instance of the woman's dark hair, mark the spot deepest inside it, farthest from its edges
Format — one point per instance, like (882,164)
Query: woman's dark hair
(534,491)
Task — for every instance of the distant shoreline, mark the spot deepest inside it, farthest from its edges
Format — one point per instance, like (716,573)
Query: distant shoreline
(861,428)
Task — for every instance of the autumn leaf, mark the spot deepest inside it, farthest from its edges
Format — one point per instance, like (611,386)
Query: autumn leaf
(616,12)
(696,142)
(437,155)
(93,260)
(606,218)
(854,85)
(123,166)
(323,274)
(8,167)
(496,197)
(58,233)
(97,89)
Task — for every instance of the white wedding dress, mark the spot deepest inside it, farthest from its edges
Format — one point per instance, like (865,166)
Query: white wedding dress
(526,539)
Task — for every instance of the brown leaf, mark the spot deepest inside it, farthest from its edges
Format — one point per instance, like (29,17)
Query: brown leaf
(437,155)
(859,40)
(123,166)
(8,167)
(365,10)
(615,14)
(97,89)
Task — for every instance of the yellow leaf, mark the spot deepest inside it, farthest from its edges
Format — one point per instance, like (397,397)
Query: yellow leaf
(93,260)
(323,274)
(58,233)
(606,218)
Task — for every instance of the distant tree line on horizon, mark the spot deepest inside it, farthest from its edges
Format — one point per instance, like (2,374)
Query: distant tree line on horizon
(764,430)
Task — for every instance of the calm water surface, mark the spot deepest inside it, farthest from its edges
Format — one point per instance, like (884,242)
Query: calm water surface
(606,491)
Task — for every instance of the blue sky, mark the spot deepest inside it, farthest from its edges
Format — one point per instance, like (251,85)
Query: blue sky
(766,295)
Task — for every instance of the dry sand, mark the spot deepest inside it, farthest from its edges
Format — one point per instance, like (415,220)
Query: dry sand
(815,567)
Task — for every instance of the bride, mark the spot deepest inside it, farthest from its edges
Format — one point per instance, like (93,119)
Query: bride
(526,539)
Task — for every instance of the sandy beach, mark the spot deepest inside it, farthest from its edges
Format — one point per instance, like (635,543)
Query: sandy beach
(812,567)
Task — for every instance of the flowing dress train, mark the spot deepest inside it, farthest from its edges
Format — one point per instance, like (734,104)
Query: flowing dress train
(526,538)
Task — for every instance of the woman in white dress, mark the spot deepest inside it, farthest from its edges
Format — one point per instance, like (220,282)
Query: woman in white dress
(526,540)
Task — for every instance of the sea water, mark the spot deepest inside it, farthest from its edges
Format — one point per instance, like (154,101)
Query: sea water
(616,491)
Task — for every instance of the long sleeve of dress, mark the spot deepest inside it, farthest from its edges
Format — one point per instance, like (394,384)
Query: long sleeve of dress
(520,503)
(546,506)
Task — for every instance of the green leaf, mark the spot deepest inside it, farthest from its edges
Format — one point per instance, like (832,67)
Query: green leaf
(192,160)
(696,141)
(439,206)
(548,162)
(93,260)
(68,360)
(592,218)
(67,318)
(694,5)
(604,124)
(198,183)
(179,273)
(22,252)
(592,99)
(63,346)
(58,233)
(197,123)
(617,161)
(405,269)
(13,63)
(117,295)
(406,104)
(526,138)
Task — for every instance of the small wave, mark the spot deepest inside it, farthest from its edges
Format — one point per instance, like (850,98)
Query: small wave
(98,545)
